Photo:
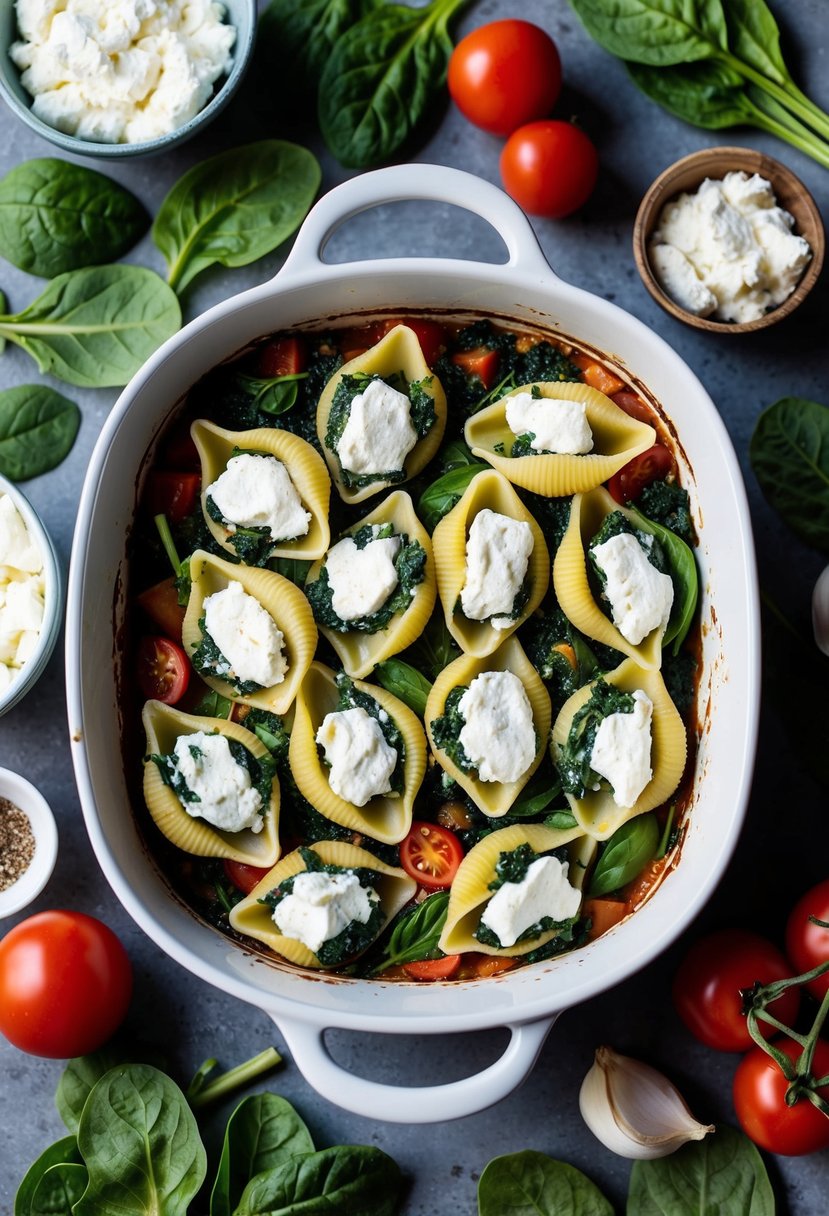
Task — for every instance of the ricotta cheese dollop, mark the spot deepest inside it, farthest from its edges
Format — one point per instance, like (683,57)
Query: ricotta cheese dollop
(22,592)
(361,760)
(498,551)
(226,797)
(498,734)
(247,636)
(558,426)
(379,434)
(321,905)
(543,891)
(728,251)
(640,596)
(622,750)
(361,580)
(257,492)
(121,72)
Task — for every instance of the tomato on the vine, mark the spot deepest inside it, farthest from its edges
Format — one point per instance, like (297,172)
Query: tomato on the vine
(162,670)
(652,465)
(708,985)
(807,944)
(760,1102)
(431,855)
(65,984)
(550,168)
(505,74)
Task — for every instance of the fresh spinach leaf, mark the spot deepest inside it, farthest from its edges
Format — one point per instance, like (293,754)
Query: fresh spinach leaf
(531,1184)
(625,855)
(440,497)
(722,1173)
(348,1178)
(262,1133)
(214,705)
(405,682)
(381,78)
(56,216)
(753,36)
(139,1140)
(59,1190)
(273,396)
(235,207)
(682,568)
(416,933)
(37,429)
(96,327)
(537,795)
(303,36)
(789,453)
(659,32)
(81,1075)
(62,1152)
(435,648)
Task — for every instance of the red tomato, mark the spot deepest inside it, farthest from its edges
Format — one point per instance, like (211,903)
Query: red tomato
(173,494)
(807,944)
(505,74)
(162,670)
(633,405)
(549,168)
(285,357)
(434,968)
(652,465)
(431,855)
(65,984)
(160,602)
(597,375)
(760,1102)
(243,876)
(179,451)
(430,334)
(711,978)
(481,362)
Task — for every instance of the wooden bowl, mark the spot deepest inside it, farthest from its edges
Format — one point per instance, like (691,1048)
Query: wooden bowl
(689,173)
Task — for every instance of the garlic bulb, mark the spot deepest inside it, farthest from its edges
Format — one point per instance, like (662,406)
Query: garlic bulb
(820,611)
(634,1110)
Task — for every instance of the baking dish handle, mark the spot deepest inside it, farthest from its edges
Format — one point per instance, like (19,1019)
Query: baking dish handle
(419,1104)
(401,183)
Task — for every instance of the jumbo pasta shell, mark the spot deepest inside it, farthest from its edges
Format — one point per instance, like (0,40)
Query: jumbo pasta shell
(494,798)
(360,652)
(255,919)
(596,812)
(489,489)
(470,891)
(163,725)
(306,468)
(384,818)
(286,605)
(398,351)
(617,438)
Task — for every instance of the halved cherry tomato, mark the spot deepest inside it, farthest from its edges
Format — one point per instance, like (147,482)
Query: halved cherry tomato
(760,1102)
(285,357)
(173,494)
(596,375)
(160,602)
(433,968)
(603,914)
(243,876)
(162,670)
(431,855)
(652,465)
(481,362)
(807,944)
(633,405)
(504,74)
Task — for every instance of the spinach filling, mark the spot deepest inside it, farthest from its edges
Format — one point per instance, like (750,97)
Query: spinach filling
(260,769)
(522,595)
(512,867)
(210,661)
(421,411)
(352,698)
(616,524)
(410,565)
(574,757)
(356,936)
(562,656)
(253,544)
(522,444)
(447,728)
(667,504)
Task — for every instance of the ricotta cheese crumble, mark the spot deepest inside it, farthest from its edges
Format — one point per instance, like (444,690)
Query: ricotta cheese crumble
(226,797)
(498,734)
(498,552)
(360,758)
(247,636)
(640,596)
(622,750)
(379,433)
(257,492)
(558,426)
(22,591)
(543,891)
(321,905)
(361,580)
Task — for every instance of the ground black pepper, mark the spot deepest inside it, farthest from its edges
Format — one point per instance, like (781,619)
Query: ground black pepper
(17,843)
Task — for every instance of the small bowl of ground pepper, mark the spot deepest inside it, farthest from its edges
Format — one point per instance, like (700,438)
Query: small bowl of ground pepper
(28,842)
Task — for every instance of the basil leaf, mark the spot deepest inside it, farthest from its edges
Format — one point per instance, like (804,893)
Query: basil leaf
(96,327)
(304,35)
(381,78)
(625,854)
(532,1184)
(62,1152)
(59,1190)
(346,1179)
(262,1133)
(405,682)
(81,1075)
(683,570)
(722,1173)
(37,429)
(659,32)
(56,216)
(440,497)
(141,1145)
(789,452)
(235,207)
(537,795)
(416,933)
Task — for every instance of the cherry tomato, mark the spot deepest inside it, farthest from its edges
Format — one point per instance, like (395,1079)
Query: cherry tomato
(160,602)
(285,357)
(431,855)
(505,74)
(652,465)
(597,375)
(549,168)
(65,984)
(633,405)
(434,968)
(481,362)
(760,1102)
(178,449)
(243,876)
(173,494)
(807,944)
(430,334)
(711,977)
(162,670)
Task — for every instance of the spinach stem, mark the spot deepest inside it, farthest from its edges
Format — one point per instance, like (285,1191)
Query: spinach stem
(790,130)
(809,112)
(234,1078)
(168,543)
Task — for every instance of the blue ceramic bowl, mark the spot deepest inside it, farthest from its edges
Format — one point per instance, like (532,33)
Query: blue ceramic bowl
(240,13)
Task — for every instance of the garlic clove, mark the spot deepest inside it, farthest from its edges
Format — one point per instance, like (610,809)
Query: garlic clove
(820,612)
(634,1110)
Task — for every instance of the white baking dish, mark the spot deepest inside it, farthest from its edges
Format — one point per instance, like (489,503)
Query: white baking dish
(528,1000)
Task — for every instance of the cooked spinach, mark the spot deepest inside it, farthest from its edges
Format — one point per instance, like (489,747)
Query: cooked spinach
(447,727)
(352,697)
(573,760)
(442,495)
(213,705)
(625,854)
(532,1184)
(416,933)
(410,564)
(435,648)
(544,924)
(421,411)
(260,769)
(513,866)
(263,1132)
(666,503)
(270,730)
(253,545)
(208,659)
(789,453)
(272,396)
(617,524)
(405,682)
(562,656)
(679,672)
(682,567)
(347,1179)
(542,789)
(37,430)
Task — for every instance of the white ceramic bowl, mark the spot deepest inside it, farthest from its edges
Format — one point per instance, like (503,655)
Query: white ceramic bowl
(30,800)
(529,999)
(31,671)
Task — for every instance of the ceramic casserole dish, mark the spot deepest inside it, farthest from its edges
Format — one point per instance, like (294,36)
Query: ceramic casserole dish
(308,291)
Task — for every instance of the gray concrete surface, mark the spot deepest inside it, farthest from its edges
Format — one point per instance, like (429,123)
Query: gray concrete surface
(784,844)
